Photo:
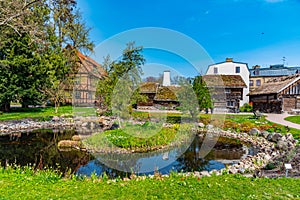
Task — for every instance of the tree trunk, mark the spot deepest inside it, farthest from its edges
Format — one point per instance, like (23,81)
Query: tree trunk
(25,105)
(5,107)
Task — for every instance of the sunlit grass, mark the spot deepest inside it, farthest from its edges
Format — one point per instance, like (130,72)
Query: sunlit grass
(30,184)
(47,112)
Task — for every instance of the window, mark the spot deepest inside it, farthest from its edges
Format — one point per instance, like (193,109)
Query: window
(215,70)
(230,103)
(258,83)
(237,69)
(77,81)
(77,95)
(251,83)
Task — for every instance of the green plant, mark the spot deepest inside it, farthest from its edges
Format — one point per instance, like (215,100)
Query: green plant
(246,108)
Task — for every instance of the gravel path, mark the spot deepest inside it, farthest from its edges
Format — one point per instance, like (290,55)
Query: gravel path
(279,119)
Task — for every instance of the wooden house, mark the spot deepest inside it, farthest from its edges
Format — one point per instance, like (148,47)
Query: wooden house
(88,73)
(226,91)
(159,95)
(277,95)
(166,96)
(230,67)
(149,89)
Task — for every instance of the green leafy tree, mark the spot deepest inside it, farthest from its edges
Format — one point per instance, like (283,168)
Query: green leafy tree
(34,65)
(202,92)
(123,79)
(24,77)
(187,98)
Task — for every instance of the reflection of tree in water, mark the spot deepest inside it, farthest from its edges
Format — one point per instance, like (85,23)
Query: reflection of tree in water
(191,160)
(40,148)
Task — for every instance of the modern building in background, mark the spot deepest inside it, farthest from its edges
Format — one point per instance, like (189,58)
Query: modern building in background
(259,76)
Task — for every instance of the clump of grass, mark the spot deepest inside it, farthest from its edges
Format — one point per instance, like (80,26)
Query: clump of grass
(139,137)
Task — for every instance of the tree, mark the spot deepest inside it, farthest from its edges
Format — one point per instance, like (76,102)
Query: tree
(202,93)
(23,71)
(19,16)
(34,66)
(187,98)
(124,76)
(67,24)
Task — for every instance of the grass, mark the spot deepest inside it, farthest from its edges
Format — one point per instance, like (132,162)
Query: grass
(42,113)
(46,113)
(294,119)
(27,184)
(139,137)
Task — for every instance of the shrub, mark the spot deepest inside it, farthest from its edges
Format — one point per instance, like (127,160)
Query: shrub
(246,108)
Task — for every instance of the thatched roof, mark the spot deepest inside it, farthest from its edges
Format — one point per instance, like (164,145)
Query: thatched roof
(224,81)
(148,87)
(167,93)
(275,85)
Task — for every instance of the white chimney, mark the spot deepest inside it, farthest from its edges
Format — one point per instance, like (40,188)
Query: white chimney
(166,78)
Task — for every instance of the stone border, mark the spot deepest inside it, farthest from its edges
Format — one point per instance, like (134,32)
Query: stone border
(27,125)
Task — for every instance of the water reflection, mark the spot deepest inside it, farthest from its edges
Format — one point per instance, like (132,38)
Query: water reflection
(226,152)
(40,148)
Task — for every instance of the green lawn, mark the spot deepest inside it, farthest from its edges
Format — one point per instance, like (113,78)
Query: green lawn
(294,119)
(25,184)
(45,113)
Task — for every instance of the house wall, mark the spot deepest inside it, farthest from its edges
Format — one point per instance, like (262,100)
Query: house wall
(289,103)
(84,89)
(263,79)
(266,103)
(229,68)
(150,100)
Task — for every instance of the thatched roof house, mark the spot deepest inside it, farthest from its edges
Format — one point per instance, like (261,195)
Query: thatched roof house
(158,95)
(167,93)
(148,87)
(224,81)
(226,91)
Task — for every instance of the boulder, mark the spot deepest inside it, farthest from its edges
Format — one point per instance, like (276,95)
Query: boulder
(204,173)
(265,134)
(55,119)
(84,124)
(289,137)
(69,144)
(275,137)
(281,144)
(209,126)
(232,171)
(254,132)
(201,125)
(270,136)
(76,138)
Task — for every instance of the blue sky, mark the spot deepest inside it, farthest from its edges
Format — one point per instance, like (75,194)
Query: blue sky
(253,31)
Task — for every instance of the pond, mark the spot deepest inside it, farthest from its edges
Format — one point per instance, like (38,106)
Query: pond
(39,148)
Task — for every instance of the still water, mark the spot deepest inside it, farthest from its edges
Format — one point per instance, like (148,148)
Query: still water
(39,148)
